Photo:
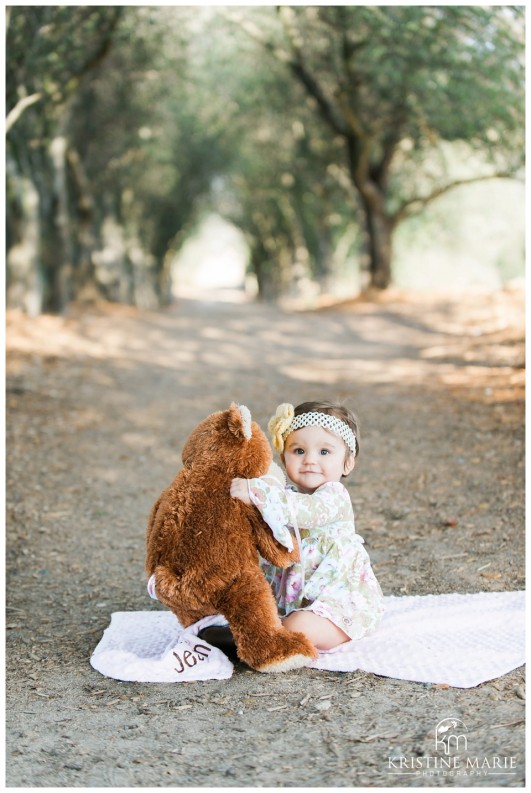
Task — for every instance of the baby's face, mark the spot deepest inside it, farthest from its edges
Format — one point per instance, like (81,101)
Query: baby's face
(313,456)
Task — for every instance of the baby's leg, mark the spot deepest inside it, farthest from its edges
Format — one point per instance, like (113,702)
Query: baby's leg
(322,633)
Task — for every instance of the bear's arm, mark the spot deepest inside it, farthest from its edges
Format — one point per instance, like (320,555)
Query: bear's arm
(269,548)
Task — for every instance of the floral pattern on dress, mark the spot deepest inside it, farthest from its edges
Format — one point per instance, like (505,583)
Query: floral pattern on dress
(334,577)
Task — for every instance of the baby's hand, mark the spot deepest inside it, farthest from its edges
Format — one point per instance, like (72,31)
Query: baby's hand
(239,490)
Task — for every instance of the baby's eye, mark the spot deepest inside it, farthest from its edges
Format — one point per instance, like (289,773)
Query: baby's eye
(325,451)
(298,451)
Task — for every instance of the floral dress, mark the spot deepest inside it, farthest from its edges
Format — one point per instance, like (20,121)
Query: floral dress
(334,577)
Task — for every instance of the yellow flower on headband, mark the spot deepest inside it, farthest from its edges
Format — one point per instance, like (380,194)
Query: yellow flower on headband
(279,423)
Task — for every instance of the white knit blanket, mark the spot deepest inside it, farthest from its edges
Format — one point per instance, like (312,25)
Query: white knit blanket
(458,640)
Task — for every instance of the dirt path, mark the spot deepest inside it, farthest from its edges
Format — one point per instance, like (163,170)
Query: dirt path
(98,408)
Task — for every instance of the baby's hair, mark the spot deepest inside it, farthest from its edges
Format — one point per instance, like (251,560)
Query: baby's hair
(332,409)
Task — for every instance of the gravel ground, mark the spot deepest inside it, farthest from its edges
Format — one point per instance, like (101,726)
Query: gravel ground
(99,404)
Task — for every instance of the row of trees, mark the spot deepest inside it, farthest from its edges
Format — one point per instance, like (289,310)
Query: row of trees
(312,128)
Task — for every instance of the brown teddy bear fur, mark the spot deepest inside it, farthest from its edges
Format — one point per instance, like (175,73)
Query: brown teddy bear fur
(202,544)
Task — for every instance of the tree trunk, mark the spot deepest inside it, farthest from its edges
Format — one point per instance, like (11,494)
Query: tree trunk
(370,181)
(84,232)
(379,250)
(58,150)
(52,230)
(259,267)
(24,287)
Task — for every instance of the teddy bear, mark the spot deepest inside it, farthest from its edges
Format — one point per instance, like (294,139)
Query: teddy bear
(203,545)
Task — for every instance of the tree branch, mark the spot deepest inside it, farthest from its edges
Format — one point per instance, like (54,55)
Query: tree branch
(301,72)
(416,205)
(326,107)
(22,105)
(96,57)
(295,64)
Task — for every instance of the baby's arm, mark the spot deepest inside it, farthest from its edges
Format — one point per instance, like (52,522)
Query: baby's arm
(329,503)
(266,494)
(239,489)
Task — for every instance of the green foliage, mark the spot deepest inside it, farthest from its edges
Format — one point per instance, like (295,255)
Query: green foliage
(315,129)
(52,47)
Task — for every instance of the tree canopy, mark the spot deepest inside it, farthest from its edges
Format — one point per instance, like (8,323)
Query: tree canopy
(313,128)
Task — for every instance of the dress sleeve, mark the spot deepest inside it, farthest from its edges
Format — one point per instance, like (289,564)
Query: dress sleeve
(267,494)
(283,507)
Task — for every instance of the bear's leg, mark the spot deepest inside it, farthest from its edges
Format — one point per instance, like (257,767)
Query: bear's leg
(177,595)
(261,639)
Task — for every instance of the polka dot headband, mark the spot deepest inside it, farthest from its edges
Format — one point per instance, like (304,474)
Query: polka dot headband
(284,421)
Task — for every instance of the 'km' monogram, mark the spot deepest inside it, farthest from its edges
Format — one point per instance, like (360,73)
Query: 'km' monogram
(189,659)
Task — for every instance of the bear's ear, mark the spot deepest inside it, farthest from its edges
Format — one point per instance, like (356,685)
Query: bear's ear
(239,421)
